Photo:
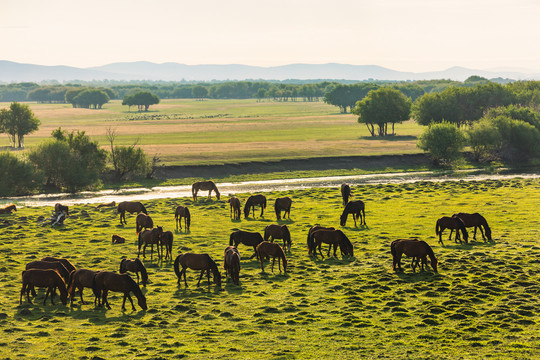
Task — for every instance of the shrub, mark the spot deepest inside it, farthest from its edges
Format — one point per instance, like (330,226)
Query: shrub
(17,176)
(443,141)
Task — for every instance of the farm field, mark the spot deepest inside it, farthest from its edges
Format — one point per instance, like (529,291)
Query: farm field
(187,132)
(483,302)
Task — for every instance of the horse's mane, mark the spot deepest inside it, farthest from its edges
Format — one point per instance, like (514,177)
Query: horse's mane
(188,215)
(347,243)
(143,209)
(485,225)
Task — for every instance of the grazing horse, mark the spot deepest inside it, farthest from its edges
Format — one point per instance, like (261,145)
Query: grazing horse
(476,220)
(150,237)
(252,201)
(345,193)
(59,208)
(106,281)
(131,207)
(278,232)
(356,208)
(143,221)
(67,264)
(111,204)
(43,278)
(50,265)
(8,209)
(236,208)
(267,249)
(310,243)
(447,222)
(283,203)
(80,279)
(193,261)
(204,185)
(231,263)
(246,238)
(117,239)
(135,266)
(166,240)
(412,248)
(334,238)
(182,212)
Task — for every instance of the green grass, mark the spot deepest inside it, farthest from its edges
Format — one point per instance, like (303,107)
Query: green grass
(482,304)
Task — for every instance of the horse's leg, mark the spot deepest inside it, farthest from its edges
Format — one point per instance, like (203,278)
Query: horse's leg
(413,266)
(273,262)
(80,294)
(137,273)
(481,231)
(208,275)
(320,252)
(255,252)
(200,277)
(105,300)
(329,248)
(262,211)
(144,250)
(130,300)
(210,194)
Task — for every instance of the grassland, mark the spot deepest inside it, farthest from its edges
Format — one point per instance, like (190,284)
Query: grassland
(483,303)
(185,132)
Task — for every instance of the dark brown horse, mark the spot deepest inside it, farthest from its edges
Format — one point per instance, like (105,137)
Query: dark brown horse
(117,239)
(182,212)
(111,204)
(278,232)
(236,208)
(150,237)
(67,264)
(334,238)
(310,243)
(46,278)
(80,279)
(50,265)
(283,203)
(106,281)
(193,261)
(131,207)
(267,249)
(447,222)
(345,193)
(59,208)
(252,201)
(231,263)
(8,209)
(356,208)
(143,221)
(205,186)
(135,266)
(476,220)
(412,248)
(246,238)
(166,240)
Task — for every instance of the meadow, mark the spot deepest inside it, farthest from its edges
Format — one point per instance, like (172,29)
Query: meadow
(482,303)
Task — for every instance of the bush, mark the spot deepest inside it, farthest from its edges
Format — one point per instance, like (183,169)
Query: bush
(485,140)
(17,176)
(443,141)
(129,160)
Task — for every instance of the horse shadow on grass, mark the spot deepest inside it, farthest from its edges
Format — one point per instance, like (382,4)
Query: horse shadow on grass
(182,232)
(357,228)
(468,246)
(285,222)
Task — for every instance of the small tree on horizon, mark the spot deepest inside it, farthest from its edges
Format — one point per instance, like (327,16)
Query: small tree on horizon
(18,121)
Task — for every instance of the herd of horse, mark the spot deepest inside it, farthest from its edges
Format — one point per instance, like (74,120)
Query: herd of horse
(55,273)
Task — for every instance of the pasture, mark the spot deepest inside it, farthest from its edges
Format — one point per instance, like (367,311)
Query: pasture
(186,132)
(483,302)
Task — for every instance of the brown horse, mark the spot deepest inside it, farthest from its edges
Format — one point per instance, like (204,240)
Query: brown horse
(80,279)
(252,201)
(143,221)
(267,249)
(334,238)
(182,212)
(111,204)
(345,193)
(278,232)
(8,209)
(59,208)
(356,208)
(310,244)
(476,220)
(117,239)
(50,265)
(283,203)
(447,222)
(135,266)
(47,278)
(412,248)
(193,261)
(236,208)
(166,240)
(150,237)
(131,207)
(246,238)
(67,264)
(231,263)
(106,281)
(205,186)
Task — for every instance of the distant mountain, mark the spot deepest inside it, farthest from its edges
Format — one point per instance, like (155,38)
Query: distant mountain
(142,70)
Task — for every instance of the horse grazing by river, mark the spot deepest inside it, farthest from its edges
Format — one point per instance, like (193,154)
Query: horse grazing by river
(333,238)
(47,278)
(193,261)
(476,220)
(143,221)
(236,208)
(447,222)
(150,237)
(412,248)
(267,249)
(106,281)
(131,207)
(205,186)
(135,266)
(80,279)
(278,232)
(111,204)
(283,203)
(182,212)
(357,209)
(310,243)
(252,201)
(345,193)
(231,263)
(8,209)
(246,238)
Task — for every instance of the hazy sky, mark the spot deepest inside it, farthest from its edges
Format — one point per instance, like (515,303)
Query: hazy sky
(406,35)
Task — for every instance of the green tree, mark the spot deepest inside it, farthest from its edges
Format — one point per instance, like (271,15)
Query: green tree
(443,141)
(91,98)
(143,100)
(18,121)
(127,160)
(17,176)
(199,92)
(380,107)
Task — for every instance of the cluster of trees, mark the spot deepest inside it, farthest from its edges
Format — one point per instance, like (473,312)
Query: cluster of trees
(141,99)
(88,97)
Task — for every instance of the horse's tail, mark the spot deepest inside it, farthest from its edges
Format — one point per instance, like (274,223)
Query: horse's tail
(142,269)
(438,227)
(188,216)
(177,267)
(122,266)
